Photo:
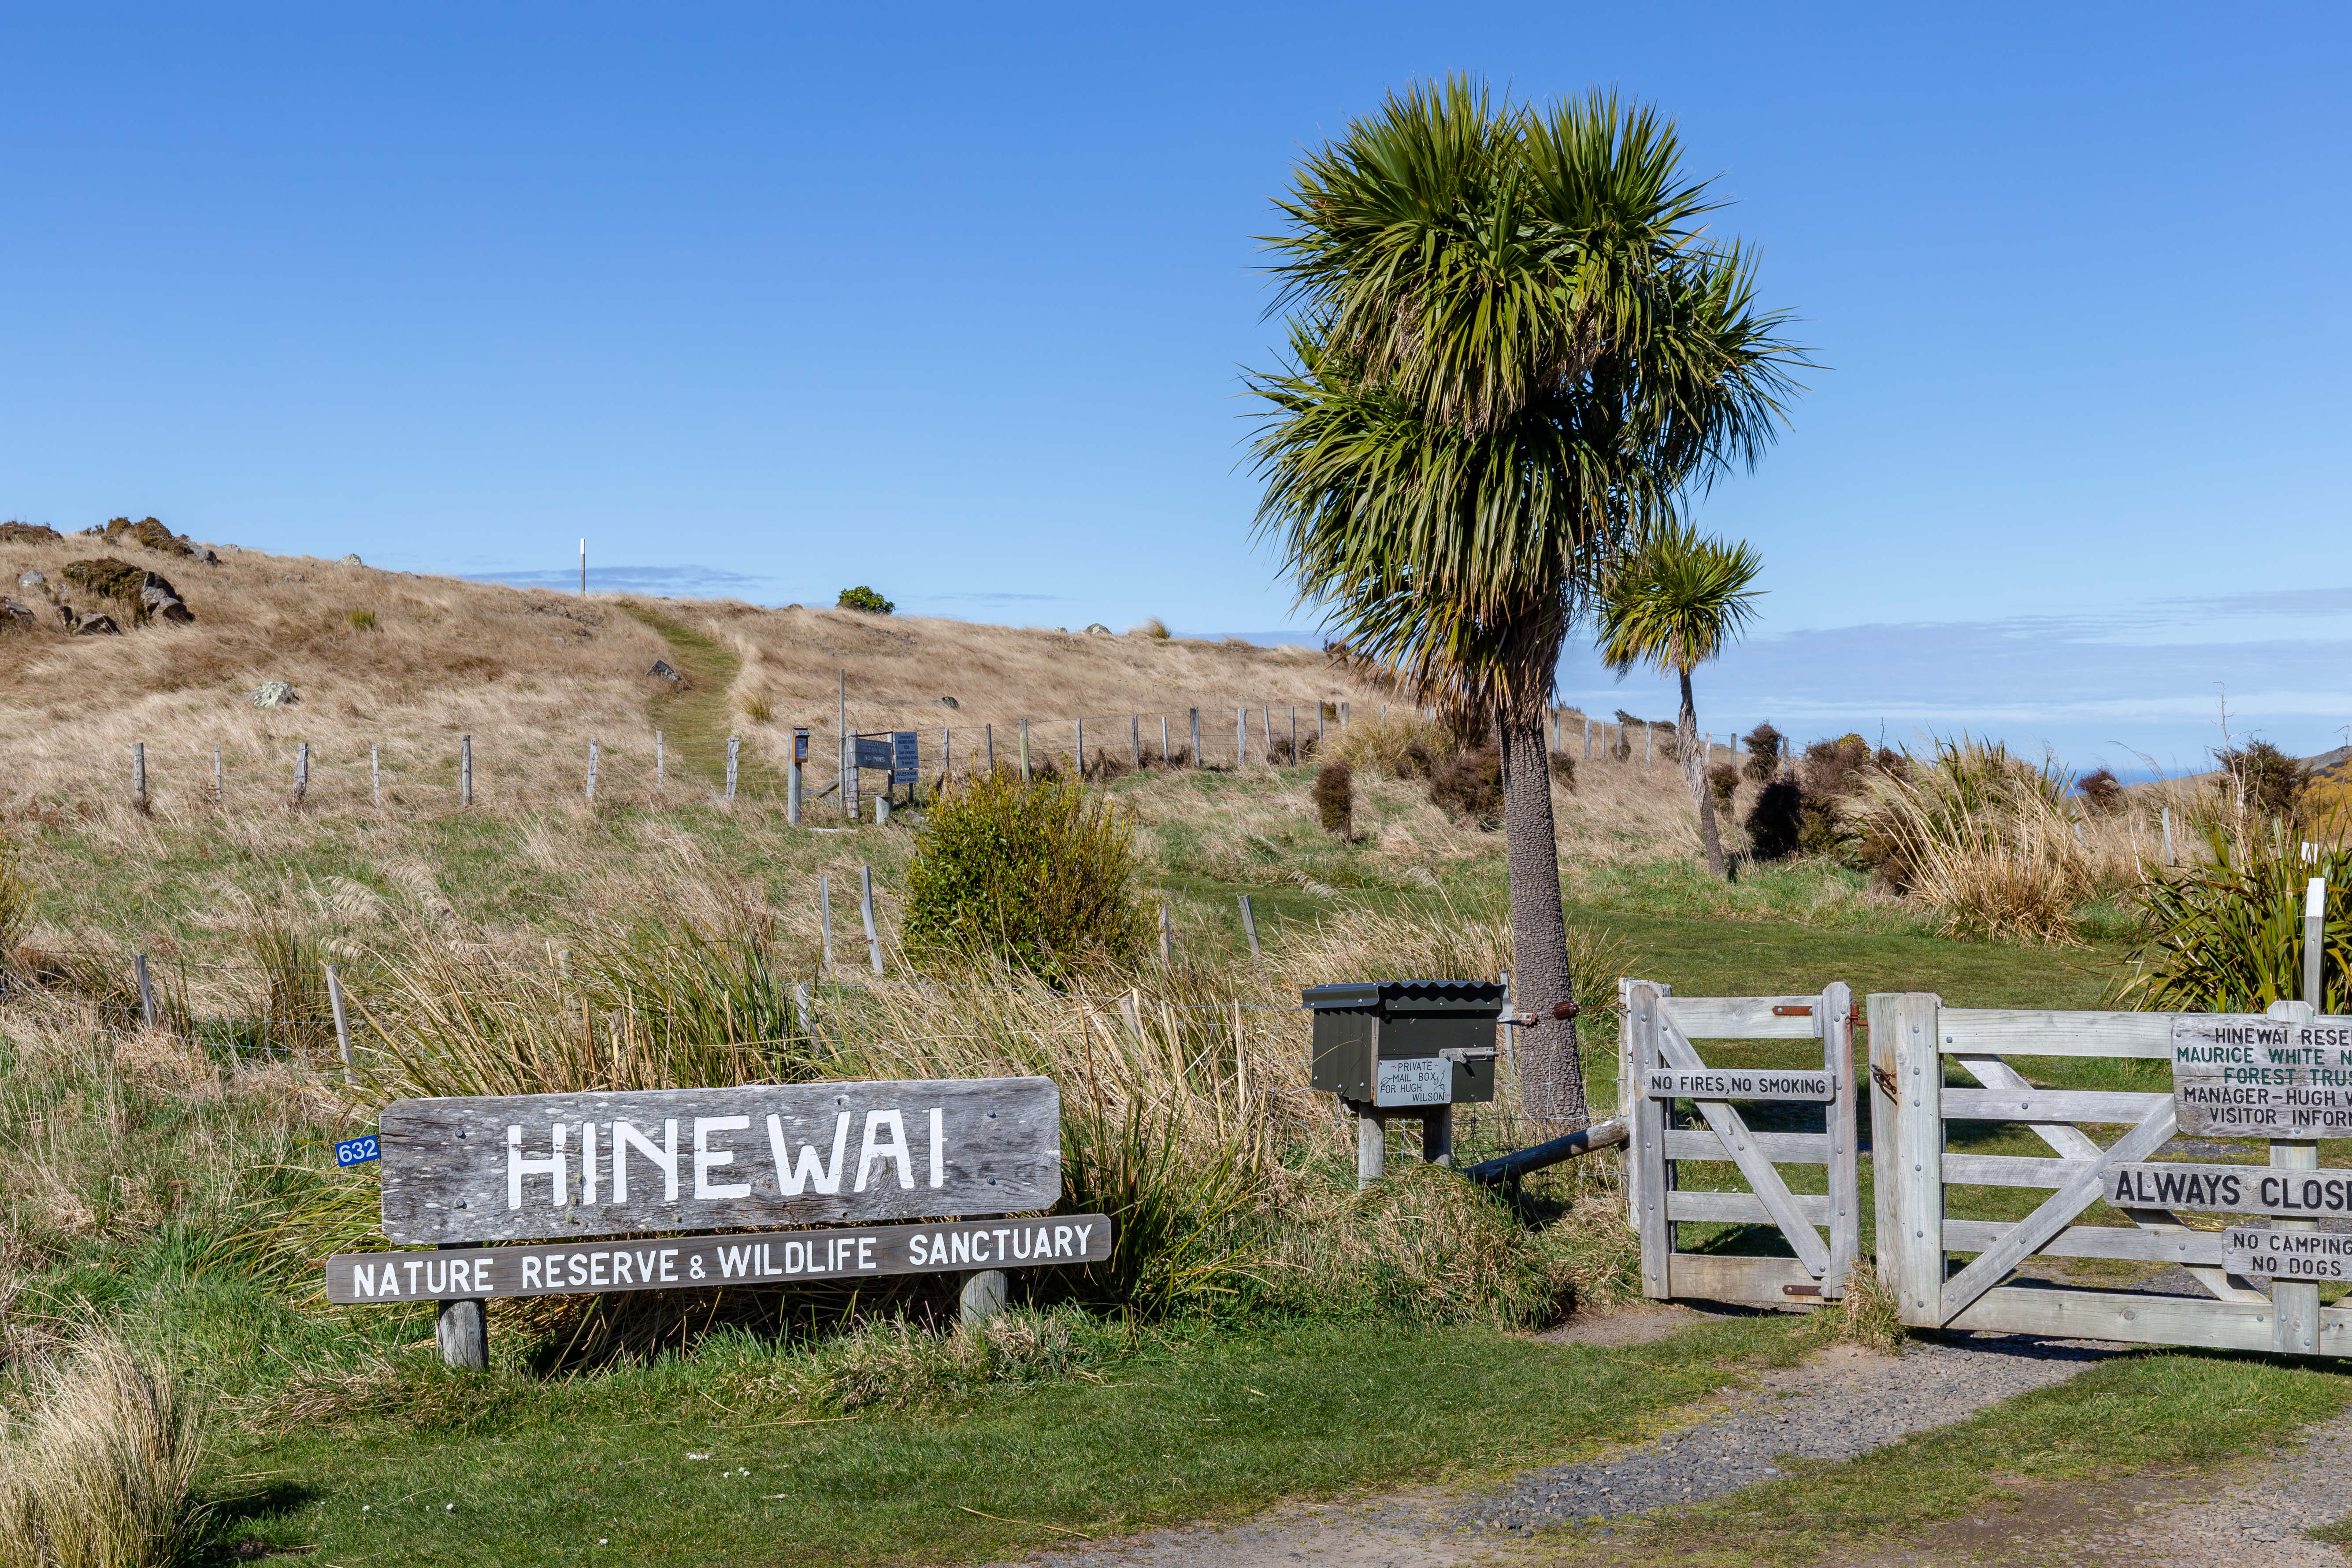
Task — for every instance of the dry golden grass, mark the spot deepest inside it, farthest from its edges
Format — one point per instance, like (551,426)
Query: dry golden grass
(101,1475)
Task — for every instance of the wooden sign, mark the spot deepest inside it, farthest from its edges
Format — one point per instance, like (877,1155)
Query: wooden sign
(530,1167)
(1740,1083)
(2231,1189)
(776,1258)
(2286,1254)
(2247,1075)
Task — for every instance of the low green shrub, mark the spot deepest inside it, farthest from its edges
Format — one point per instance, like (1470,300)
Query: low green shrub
(361,620)
(864,600)
(1038,876)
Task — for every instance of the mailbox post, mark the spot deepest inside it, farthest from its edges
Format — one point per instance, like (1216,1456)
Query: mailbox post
(793,778)
(1420,1047)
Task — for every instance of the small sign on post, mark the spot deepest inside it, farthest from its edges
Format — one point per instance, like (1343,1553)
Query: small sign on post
(1740,1083)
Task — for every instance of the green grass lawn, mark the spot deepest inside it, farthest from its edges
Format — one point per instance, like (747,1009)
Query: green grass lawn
(646,1465)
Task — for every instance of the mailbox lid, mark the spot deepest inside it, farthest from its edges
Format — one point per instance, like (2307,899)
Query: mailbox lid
(1398,998)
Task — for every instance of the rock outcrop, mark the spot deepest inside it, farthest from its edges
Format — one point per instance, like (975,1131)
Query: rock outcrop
(28,534)
(274,694)
(143,594)
(13,613)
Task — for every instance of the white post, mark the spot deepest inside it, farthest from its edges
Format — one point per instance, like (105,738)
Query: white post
(1241,737)
(661,763)
(734,754)
(592,772)
(866,907)
(583,568)
(375,774)
(139,775)
(793,778)
(342,1029)
(1196,737)
(824,917)
(1249,926)
(217,775)
(1649,745)
(2168,859)
(1024,750)
(1588,739)
(1163,740)
(2314,939)
(464,769)
(302,771)
(1167,937)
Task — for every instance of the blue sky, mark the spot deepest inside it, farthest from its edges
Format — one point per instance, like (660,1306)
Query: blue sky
(955,301)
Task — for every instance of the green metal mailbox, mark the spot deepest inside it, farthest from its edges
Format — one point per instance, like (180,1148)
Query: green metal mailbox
(1405,1043)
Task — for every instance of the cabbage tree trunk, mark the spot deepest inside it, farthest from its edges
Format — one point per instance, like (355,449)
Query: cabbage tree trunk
(1694,756)
(1550,1059)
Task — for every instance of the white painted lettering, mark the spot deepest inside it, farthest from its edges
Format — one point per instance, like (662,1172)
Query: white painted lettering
(664,1157)
(530,1271)
(621,1274)
(588,1163)
(1082,1231)
(960,1246)
(598,1262)
(413,1266)
(482,1285)
(552,1164)
(734,1261)
(707,1158)
(578,1263)
(1061,1241)
(938,1147)
(667,1273)
(866,1252)
(918,1249)
(810,1172)
(869,1150)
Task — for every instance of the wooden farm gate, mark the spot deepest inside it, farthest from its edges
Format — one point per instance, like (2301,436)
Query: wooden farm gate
(1911,1036)
(1659,1032)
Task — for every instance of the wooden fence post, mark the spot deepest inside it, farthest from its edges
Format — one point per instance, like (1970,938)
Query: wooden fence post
(375,774)
(866,907)
(2168,859)
(1318,725)
(463,1330)
(1588,739)
(734,756)
(139,775)
(792,779)
(1024,750)
(1079,727)
(1844,1174)
(217,774)
(342,1026)
(661,765)
(800,1010)
(1294,734)
(1163,740)
(464,769)
(1343,716)
(1918,1157)
(146,990)
(1196,737)
(1135,740)
(824,917)
(988,736)
(2294,1324)
(302,771)
(1241,737)
(1265,716)
(1167,937)
(1249,925)
(592,771)
(1649,1137)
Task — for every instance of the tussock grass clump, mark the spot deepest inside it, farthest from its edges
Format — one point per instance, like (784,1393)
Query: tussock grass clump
(1403,745)
(1987,837)
(15,900)
(1039,876)
(101,1475)
(360,620)
(1469,784)
(1869,1316)
(1151,626)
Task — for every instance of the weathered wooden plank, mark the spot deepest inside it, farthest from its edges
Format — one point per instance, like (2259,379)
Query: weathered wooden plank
(2027,1032)
(2295,1318)
(1649,1144)
(1759,1281)
(680,1263)
(2177,1245)
(1677,1051)
(2031,1233)
(532,1167)
(2138,1320)
(1741,1208)
(1780,1148)
(1745,1017)
(2048,1105)
(2007,1170)
(1885,1140)
(1845,1161)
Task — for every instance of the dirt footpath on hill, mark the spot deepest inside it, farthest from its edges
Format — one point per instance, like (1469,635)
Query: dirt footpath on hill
(1838,1404)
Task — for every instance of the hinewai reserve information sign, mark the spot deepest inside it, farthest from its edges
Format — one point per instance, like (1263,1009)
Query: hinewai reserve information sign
(1740,1083)
(2246,1075)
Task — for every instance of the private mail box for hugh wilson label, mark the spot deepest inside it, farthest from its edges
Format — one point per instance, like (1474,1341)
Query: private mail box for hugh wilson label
(1360,1026)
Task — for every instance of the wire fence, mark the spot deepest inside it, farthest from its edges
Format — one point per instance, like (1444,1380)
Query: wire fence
(654,768)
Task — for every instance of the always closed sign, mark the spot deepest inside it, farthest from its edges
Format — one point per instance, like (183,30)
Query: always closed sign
(543,1166)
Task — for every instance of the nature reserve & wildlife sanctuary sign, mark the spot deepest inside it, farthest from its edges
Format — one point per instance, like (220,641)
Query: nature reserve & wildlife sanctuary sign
(565,1168)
